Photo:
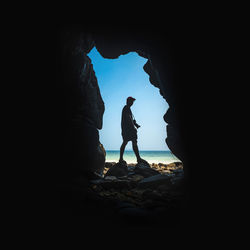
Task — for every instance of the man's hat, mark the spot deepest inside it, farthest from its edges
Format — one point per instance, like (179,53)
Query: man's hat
(131,98)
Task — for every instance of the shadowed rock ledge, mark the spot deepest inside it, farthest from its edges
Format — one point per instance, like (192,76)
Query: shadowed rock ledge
(139,190)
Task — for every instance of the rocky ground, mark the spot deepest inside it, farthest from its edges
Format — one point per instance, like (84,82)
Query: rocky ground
(143,189)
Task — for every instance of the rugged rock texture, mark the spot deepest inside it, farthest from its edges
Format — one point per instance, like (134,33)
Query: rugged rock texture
(155,193)
(81,108)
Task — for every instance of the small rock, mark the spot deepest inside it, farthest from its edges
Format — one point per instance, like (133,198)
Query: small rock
(110,178)
(131,168)
(161,165)
(137,178)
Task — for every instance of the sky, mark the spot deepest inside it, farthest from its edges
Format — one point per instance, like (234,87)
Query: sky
(118,79)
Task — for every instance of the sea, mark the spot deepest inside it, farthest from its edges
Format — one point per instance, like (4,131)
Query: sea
(164,157)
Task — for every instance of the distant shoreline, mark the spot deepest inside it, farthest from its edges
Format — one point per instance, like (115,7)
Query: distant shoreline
(151,156)
(140,150)
(153,164)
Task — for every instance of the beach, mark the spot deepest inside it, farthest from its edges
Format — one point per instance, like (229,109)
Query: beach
(151,156)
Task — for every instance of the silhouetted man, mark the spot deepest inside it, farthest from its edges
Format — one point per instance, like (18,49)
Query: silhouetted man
(129,132)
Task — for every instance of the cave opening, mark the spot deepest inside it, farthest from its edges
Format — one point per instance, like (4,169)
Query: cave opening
(117,79)
(135,192)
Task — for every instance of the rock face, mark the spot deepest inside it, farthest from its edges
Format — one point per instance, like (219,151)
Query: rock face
(80,105)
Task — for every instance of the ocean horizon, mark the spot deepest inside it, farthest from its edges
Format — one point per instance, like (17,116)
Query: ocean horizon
(151,156)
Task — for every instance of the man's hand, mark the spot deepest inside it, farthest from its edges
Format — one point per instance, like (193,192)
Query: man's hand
(137,125)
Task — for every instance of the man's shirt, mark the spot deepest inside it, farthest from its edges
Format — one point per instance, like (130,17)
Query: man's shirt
(127,119)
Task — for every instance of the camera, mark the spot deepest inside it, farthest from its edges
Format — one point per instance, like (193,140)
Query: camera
(137,126)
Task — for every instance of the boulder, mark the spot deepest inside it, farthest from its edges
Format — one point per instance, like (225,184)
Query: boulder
(119,169)
(136,178)
(110,178)
(144,169)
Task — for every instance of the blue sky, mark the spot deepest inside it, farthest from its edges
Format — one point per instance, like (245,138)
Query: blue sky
(118,79)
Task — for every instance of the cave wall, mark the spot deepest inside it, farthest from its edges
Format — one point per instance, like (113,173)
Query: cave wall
(81,108)
(81,105)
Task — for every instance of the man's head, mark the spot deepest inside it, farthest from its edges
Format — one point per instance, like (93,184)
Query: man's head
(130,101)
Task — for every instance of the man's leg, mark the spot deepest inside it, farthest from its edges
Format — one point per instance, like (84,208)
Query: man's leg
(135,148)
(122,150)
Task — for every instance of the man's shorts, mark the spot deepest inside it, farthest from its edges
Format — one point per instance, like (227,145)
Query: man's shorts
(129,135)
